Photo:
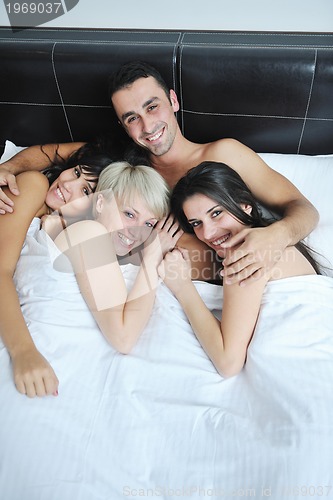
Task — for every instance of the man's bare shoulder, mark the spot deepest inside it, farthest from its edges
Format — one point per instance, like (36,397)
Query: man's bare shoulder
(222,149)
(236,155)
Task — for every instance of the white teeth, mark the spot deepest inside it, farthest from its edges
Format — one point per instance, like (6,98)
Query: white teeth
(221,240)
(127,241)
(156,136)
(59,193)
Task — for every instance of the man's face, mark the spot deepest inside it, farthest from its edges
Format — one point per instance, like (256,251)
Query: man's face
(147,114)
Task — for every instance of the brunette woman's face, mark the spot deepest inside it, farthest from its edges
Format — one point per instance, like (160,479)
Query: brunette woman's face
(130,223)
(70,192)
(211,223)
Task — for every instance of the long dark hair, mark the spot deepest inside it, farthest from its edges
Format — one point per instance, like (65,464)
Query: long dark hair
(91,157)
(225,186)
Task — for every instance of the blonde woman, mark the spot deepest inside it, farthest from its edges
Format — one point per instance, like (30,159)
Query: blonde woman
(130,207)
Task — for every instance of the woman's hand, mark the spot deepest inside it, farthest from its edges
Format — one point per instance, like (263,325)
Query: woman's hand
(163,238)
(53,224)
(33,375)
(175,269)
(7,179)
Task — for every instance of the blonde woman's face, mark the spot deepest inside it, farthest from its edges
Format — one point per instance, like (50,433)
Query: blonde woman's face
(130,224)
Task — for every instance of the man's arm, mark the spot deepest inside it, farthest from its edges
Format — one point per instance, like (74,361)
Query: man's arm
(258,249)
(32,158)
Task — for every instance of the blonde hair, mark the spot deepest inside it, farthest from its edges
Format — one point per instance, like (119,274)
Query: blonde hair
(124,181)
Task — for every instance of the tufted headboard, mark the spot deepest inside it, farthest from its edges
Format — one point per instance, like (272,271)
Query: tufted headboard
(272,91)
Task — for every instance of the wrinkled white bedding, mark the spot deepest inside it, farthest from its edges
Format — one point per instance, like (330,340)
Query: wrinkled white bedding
(160,422)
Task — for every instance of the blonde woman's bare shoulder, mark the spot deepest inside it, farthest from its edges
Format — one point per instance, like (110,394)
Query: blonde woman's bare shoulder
(78,233)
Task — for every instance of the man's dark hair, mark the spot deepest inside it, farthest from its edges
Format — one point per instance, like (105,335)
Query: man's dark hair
(132,71)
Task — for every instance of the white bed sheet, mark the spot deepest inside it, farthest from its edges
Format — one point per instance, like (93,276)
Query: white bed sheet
(160,422)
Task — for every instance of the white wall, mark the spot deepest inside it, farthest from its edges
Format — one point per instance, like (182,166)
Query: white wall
(255,15)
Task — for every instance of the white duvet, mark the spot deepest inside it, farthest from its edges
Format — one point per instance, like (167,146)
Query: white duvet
(160,422)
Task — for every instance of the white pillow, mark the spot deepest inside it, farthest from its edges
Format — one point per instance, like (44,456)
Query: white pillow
(10,150)
(313,176)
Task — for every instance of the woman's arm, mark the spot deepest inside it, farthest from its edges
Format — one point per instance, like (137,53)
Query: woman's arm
(120,315)
(32,158)
(32,373)
(224,342)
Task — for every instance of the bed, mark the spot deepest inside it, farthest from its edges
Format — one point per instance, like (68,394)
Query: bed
(160,422)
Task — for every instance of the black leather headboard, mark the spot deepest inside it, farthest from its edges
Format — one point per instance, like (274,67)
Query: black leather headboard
(272,91)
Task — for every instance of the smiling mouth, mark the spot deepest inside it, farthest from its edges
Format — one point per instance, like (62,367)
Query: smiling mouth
(60,195)
(223,239)
(126,240)
(155,137)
